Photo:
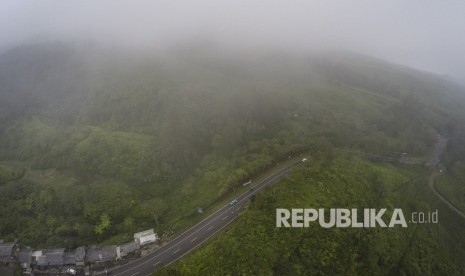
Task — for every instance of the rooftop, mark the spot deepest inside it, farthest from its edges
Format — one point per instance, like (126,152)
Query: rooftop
(55,256)
(143,234)
(49,257)
(25,255)
(129,248)
(80,253)
(69,259)
(107,253)
(6,249)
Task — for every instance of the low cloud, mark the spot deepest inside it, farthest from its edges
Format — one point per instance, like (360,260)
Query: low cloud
(424,34)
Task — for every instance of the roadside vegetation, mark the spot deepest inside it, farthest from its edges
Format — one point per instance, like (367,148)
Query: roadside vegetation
(254,246)
(452,184)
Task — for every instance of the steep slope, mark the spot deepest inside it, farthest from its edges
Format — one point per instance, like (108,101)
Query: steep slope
(89,135)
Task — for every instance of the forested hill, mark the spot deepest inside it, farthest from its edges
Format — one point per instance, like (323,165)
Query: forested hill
(97,144)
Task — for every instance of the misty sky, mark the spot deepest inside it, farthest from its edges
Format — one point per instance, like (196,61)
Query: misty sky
(425,34)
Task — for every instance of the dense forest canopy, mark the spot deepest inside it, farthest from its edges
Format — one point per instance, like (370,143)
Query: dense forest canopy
(97,144)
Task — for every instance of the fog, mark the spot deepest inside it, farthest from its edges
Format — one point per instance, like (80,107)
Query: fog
(427,35)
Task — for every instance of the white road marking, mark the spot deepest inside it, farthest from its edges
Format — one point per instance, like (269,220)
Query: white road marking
(157,263)
(194,239)
(264,182)
(197,245)
(224,218)
(135,274)
(176,251)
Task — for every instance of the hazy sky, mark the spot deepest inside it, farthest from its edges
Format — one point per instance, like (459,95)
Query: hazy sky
(426,34)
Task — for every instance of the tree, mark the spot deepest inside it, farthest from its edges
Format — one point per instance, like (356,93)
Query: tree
(104,225)
(155,207)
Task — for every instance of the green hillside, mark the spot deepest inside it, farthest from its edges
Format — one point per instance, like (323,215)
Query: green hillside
(97,144)
(254,246)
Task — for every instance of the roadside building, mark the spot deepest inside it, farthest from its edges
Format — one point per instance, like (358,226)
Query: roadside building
(55,257)
(40,259)
(69,259)
(127,248)
(101,255)
(36,258)
(25,258)
(49,258)
(80,255)
(7,251)
(145,237)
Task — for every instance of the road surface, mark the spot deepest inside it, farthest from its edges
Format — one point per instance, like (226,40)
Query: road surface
(443,199)
(438,151)
(196,235)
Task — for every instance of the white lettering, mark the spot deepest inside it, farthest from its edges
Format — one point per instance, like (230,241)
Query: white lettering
(376,217)
(343,218)
(398,218)
(321,218)
(310,215)
(297,217)
(282,215)
(355,223)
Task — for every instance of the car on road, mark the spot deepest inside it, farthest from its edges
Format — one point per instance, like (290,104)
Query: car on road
(233,202)
(71,271)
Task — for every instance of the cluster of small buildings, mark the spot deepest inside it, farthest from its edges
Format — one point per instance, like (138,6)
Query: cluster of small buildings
(82,256)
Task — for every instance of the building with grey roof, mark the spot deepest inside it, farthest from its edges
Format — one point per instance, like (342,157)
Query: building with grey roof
(99,255)
(41,261)
(50,257)
(25,257)
(127,249)
(69,258)
(55,257)
(145,237)
(7,251)
(80,255)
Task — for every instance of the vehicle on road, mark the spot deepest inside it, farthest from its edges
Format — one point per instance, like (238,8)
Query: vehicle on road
(233,202)
(247,183)
(71,271)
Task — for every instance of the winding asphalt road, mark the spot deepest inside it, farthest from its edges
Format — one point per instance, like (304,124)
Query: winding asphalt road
(442,198)
(438,151)
(196,235)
